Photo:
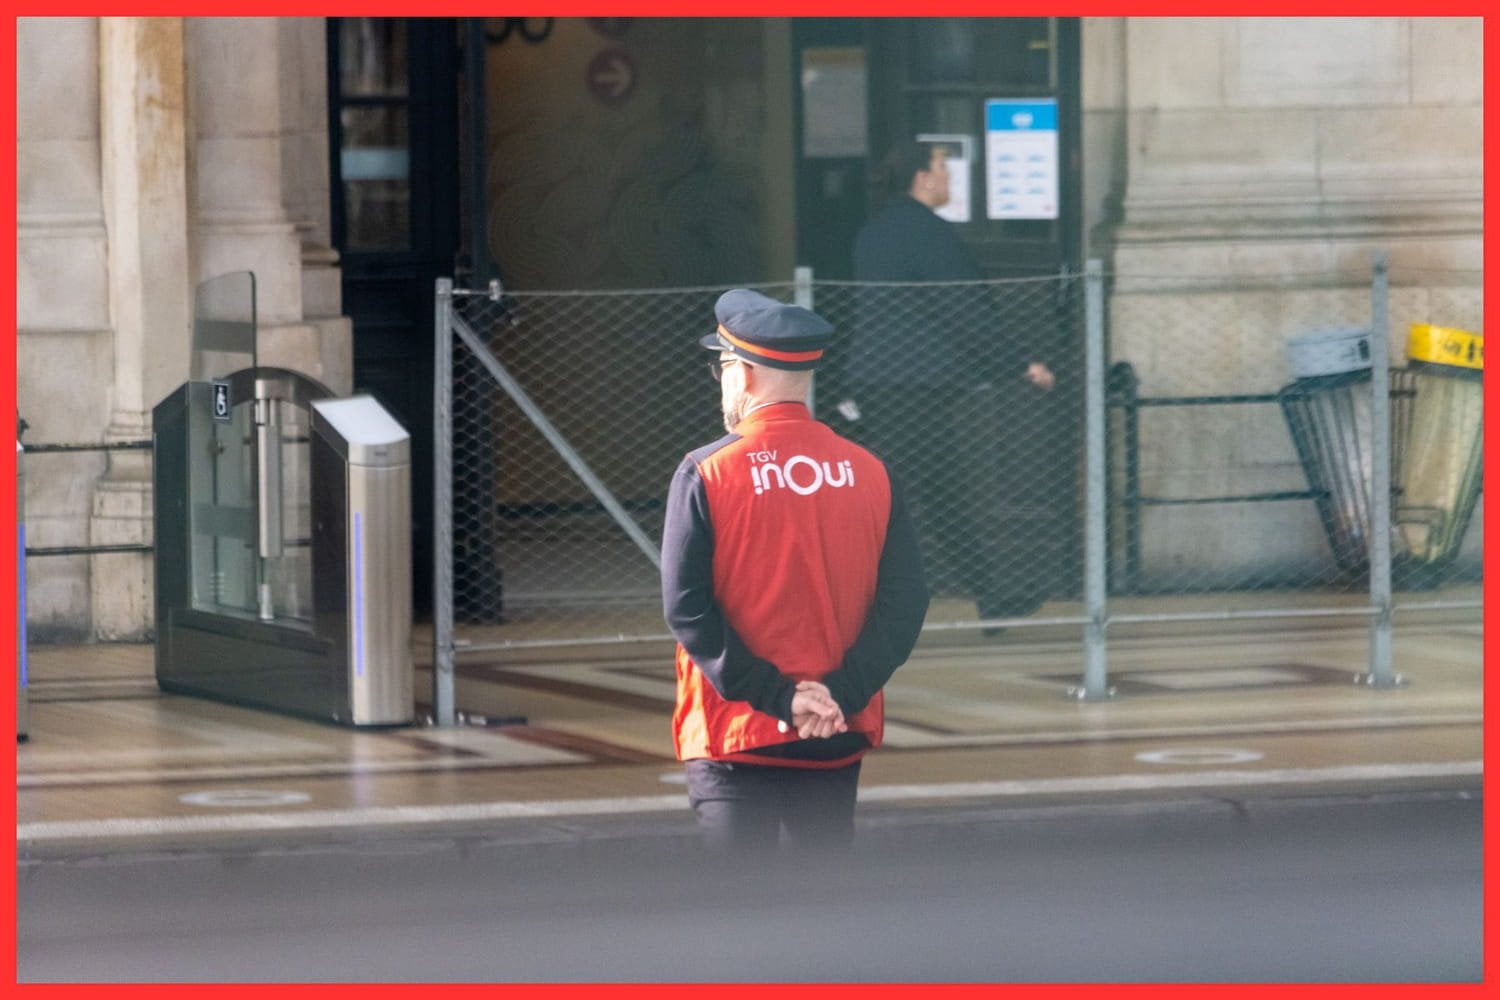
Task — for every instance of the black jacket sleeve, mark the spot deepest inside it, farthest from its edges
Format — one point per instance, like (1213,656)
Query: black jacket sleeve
(895,618)
(693,613)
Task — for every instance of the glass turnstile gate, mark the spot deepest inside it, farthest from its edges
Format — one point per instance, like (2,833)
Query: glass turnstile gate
(283,533)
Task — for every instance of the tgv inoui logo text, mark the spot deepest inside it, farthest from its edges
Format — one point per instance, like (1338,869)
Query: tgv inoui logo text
(800,474)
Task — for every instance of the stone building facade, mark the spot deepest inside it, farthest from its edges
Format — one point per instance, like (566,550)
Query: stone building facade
(153,153)
(1238,175)
(1265,162)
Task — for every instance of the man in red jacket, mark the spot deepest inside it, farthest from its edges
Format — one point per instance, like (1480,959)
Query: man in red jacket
(792,580)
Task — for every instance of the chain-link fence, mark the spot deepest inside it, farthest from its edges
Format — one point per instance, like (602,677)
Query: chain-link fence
(1227,474)
(570,410)
(972,392)
(1241,419)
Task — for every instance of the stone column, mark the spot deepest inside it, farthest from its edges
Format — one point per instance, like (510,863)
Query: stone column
(305,193)
(64,345)
(247,81)
(143,143)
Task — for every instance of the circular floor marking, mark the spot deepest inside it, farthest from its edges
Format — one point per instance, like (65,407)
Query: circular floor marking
(244,798)
(1203,756)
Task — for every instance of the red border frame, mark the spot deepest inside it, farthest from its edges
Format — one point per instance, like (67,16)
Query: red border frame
(804,9)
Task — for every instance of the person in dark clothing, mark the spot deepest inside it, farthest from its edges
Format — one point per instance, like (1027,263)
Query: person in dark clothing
(929,358)
(792,580)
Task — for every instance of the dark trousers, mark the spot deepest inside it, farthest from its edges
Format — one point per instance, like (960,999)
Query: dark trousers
(977,468)
(744,807)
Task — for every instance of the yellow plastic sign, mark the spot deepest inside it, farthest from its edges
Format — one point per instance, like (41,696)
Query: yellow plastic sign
(1445,345)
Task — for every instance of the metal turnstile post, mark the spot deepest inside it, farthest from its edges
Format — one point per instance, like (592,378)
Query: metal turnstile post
(362,478)
(282,532)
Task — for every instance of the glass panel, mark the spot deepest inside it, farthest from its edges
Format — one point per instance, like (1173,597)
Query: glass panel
(228,572)
(224,510)
(375,164)
(942,50)
(1040,230)
(1017,52)
(372,57)
(376,215)
(833,102)
(221,479)
(944,114)
(290,574)
(221,508)
(223,326)
(377,129)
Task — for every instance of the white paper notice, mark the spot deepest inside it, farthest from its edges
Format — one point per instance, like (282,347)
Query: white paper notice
(833,102)
(1020,150)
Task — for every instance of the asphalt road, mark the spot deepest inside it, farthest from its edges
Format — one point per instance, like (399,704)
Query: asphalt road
(1366,890)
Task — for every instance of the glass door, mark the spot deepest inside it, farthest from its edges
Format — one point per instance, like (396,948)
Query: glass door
(393,158)
(970,78)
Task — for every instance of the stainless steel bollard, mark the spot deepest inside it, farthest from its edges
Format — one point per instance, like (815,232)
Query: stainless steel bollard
(375,452)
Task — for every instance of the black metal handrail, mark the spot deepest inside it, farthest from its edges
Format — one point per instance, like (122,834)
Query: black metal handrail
(1123,392)
(54,448)
(44,449)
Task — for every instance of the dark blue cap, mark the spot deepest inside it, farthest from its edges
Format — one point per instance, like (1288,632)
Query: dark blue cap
(766,332)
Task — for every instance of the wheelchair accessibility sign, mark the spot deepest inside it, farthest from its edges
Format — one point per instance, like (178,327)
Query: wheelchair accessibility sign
(221,402)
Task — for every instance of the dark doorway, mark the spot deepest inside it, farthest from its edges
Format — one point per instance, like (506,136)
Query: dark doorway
(929,76)
(963,82)
(937,75)
(831,100)
(394,179)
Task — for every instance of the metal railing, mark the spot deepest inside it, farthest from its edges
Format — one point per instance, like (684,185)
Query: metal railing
(82,447)
(560,416)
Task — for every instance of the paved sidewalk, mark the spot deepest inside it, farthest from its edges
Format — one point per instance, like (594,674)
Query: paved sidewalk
(574,743)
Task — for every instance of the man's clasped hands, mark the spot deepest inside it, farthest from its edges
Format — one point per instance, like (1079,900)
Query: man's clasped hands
(814,712)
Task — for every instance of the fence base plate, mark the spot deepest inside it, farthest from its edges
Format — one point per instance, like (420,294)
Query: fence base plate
(1371,681)
(1080,693)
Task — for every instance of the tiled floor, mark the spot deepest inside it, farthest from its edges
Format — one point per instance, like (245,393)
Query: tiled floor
(585,730)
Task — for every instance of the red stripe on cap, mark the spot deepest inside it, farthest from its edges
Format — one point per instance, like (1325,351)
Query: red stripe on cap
(766,352)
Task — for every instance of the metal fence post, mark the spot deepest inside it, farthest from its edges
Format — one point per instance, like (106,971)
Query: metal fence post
(802,295)
(22,721)
(802,287)
(442,507)
(1380,675)
(1095,669)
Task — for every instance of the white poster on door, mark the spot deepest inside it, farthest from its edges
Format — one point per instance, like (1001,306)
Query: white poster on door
(1020,152)
(833,102)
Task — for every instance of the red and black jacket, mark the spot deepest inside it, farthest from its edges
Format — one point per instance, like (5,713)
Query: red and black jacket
(788,554)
